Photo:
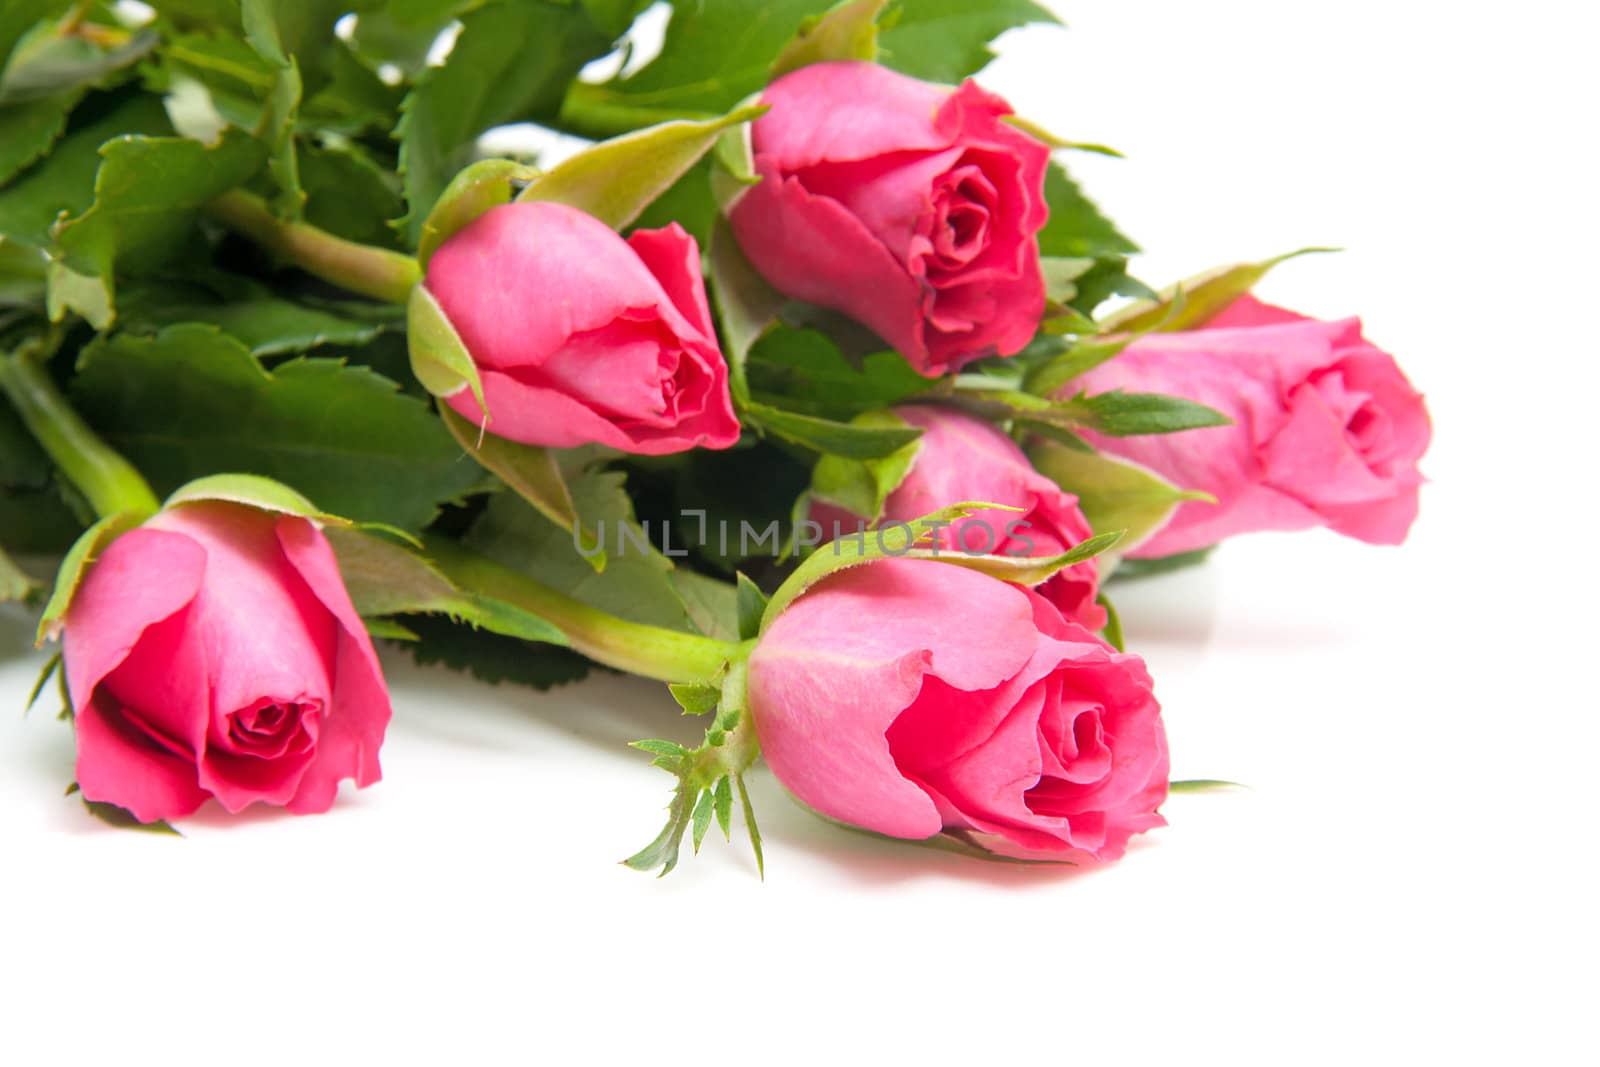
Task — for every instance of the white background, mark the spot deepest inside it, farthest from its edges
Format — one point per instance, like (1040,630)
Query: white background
(1411,876)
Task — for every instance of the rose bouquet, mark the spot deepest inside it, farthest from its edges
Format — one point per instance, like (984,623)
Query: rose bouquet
(809,384)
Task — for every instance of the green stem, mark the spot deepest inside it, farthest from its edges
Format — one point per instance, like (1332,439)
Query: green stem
(650,651)
(110,482)
(365,269)
(104,477)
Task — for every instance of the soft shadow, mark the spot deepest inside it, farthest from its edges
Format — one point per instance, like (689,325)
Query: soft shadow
(874,862)
(1178,608)
(605,709)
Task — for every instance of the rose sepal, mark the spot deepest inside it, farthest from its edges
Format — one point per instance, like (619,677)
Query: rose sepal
(709,773)
(83,551)
(485,184)
(1193,302)
(1114,494)
(439,360)
(616,180)
(855,549)
(254,491)
(847,30)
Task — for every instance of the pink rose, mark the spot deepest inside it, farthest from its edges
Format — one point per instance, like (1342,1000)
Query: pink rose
(1326,429)
(581,337)
(908,206)
(214,652)
(962,458)
(912,697)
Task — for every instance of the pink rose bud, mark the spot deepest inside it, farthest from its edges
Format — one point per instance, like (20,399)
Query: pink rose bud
(581,337)
(1326,429)
(908,206)
(961,458)
(911,697)
(214,652)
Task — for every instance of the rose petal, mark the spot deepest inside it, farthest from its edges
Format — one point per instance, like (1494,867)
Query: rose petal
(118,764)
(143,577)
(482,278)
(813,249)
(831,666)
(355,720)
(841,111)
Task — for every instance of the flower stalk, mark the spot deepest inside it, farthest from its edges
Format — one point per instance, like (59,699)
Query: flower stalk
(364,269)
(109,482)
(637,648)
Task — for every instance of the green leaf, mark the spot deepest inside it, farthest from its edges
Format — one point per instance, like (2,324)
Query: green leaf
(192,401)
(490,657)
(1076,229)
(688,202)
(17,17)
(29,127)
(533,473)
(746,305)
(276,134)
(862,486)
(1112,631)
(148,193)
(695,699)
(712,604)
(123,819)
(512,62)
(236,79)
(1109,278)
(826,436)
(1202,297)
(22,275)
(1060,272)
(79,556)
(64,181)
(804,371)
(1120,414)
(265,323)
(354,101)
(52,64)
(348,193)
(848,30)
(1203,785)
(1114,495)
(613,17)
(715,53)
(1075,358)
(384,578)
(616,180)
(752,606)
(1129,569)
(388,630)
(637,583)
(947,40)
